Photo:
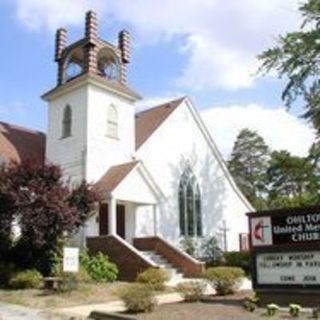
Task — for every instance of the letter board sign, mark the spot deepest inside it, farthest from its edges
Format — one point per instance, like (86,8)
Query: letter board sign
(285,249)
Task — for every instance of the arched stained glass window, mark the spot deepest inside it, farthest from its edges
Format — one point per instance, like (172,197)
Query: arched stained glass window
(190,205)
(112,125)
(67,122)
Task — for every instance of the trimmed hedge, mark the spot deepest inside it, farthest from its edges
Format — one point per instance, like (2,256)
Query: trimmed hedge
(224,279)
(154,278)
(29,279)
(240,259)
(138,298)
(191,291)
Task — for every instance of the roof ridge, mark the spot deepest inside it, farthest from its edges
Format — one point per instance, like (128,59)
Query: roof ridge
(161,105)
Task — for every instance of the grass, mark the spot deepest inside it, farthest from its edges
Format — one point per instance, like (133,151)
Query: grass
(86,294)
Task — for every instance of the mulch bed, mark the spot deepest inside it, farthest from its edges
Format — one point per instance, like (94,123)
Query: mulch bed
(212,308)
(198,311)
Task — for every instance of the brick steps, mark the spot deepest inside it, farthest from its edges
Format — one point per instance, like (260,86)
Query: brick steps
(174,274)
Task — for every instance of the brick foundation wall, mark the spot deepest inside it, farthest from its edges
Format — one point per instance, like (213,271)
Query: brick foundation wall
(188,266)
(128,262)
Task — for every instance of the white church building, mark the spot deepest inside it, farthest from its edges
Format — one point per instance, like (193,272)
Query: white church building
(159,173)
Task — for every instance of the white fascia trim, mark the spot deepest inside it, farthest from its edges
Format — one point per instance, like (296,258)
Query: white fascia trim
(216,152)
(147,176)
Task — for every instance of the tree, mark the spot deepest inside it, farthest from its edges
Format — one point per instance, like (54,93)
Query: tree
(44,208)
(297,57)
(292,181)
(6,216)
(248,165)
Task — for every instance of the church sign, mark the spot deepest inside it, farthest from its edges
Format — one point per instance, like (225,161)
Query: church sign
(288,268)
(285,247)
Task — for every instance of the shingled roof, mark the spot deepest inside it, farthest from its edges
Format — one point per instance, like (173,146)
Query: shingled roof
(114,176)
(149,120)
(17,143)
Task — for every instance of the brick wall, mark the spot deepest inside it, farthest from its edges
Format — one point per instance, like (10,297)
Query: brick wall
(129,262)
(187,265)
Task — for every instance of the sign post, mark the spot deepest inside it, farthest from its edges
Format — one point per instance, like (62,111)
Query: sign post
(285,247)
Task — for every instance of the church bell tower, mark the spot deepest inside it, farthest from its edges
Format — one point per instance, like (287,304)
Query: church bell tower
(91,123)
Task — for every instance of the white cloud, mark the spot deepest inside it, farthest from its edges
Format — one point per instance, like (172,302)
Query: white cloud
(220,38)
(50,14)
(231,69)
(280,129)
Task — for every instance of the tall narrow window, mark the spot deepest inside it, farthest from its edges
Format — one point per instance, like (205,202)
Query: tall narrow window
(112,125)
(67,122)
(189,205)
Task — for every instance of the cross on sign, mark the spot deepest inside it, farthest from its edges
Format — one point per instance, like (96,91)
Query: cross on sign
(261,232)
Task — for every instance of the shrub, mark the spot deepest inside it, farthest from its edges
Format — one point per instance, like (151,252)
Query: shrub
(211,252)
(154,278)
(29,279)
(272,309)
(249,305)
(68,282)
(240,259)
(224,279)
(101,269)
(188,245)
(191,291)
(138,298)
(316,313)
(6,272)
(294,310)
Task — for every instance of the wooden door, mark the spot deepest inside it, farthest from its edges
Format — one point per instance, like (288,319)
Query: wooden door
(103,219)
(121,220)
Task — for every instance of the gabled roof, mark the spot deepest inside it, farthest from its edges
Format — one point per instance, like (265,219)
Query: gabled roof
(149,120)
(18,143)
(113,177)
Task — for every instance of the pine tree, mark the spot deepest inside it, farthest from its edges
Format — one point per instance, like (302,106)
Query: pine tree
(248,165)
(293,181)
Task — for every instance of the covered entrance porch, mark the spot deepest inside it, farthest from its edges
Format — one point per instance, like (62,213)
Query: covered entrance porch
(127,225)
(129,195)
(119,217)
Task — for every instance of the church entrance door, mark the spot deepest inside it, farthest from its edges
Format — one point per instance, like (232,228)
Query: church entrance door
(103,220)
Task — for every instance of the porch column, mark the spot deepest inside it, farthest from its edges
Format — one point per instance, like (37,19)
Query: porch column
(155,219)
(112,216)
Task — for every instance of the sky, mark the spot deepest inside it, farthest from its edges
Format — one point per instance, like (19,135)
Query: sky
(205,49)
